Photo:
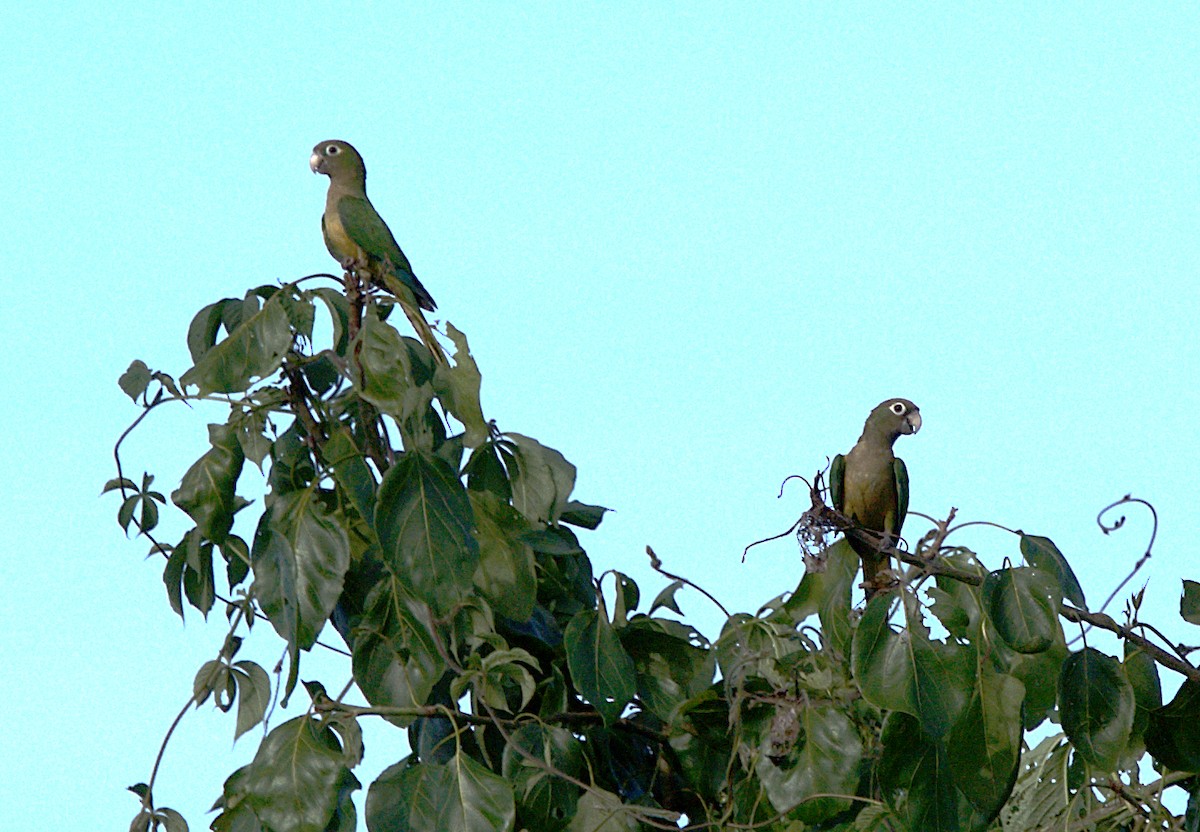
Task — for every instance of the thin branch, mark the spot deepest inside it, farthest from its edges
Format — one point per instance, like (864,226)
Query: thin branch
(1127,499)
(656,565)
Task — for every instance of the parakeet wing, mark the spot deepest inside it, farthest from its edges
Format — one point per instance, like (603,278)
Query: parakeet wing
(900,476)
(366,228)
(837,481)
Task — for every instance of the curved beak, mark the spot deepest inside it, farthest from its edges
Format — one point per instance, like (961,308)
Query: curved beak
(912,422)
(315,162)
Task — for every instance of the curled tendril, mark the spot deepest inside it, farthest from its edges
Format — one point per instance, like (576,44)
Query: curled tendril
(1120,521)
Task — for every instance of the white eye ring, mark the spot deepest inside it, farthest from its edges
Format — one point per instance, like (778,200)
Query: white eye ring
(898,408)
(332,150)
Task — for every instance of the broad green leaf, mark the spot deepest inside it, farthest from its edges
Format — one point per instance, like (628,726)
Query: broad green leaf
(384,373)
(1173,736)
(198,583)
(207,492)
(254,695)
(603,672)
(505,574)
(916,777)
(1043,554)
(827,594)
(542,481)
(339,314)
(351,472)
(985,744)
(424,522)
(1142,673)
(135,380)
(1097,706)
(825,760)
(1023,605)
(1189,604)
(882,660)
(300,559)
(396,661)
(544,802)
(460,795)
(673,663)
(251,426)
(458,389)
(252,350)
(1039,673)
(602,811)
(485,471)
(295,780)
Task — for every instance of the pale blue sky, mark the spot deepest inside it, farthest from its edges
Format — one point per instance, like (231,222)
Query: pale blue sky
(692,246)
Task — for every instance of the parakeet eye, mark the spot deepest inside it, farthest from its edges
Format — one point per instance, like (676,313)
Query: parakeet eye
(332,150)
(898,408)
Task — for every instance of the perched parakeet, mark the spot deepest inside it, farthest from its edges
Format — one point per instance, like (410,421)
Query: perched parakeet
(360,240)
(870,484)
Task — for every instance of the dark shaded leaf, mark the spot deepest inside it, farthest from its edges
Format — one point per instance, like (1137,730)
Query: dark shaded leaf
(1173,735)
(602,670)
(254,695)
(542,480)
(1189,604)
(1043,554)
(505,573)
(424,521)
(583,515)
(396,662)
(666,598)
(825,759)
(984,746)
(460,795)
(1142,672)
(1023,606)
(827,594)
(207,492)
(253,349)
(1097,706)
(295,780)
(673,663)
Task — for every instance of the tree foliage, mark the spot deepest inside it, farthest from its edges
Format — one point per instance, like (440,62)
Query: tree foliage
(538,694)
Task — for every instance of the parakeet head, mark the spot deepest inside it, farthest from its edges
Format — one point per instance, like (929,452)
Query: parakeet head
(893,418)
(338,160)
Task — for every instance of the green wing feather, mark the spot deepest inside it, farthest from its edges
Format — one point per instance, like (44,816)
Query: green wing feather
(837,481)
(900,477)
(366,228)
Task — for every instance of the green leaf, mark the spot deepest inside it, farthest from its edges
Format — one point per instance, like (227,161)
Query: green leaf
(207,492)
(1189,604)
(135,380)
(666,598)
(1142,672)
(385,374)
(171,820)
(916,777)
(254,695)
(542,481)
(985,744)
(673,663)
(1173,736)
(602,811)
(254,349)
(505,573)
(824,760)
(603,672)
(458,389)
(460,795)
(1043,554)
(544,802)
(350,471)
(300,559)
(627,599)
(910,672)
(295,780)
(826,593)
(396,661)
(583,515)
(198,583)
(1023,605)
(424,522)
(1097,706)
(486,471)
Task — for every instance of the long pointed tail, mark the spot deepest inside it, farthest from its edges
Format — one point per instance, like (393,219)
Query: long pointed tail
(424,332)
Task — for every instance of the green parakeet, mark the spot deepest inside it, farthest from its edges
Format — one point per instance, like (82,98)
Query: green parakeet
(360,240)
(870,484)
